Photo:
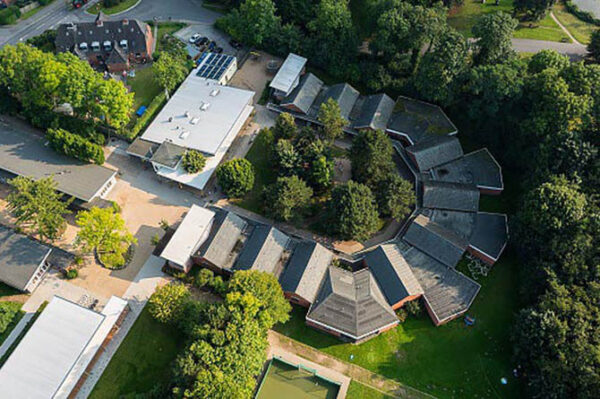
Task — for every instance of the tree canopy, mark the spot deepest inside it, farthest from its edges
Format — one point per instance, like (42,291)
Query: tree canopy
(169,71)
(193,161)
(493,33)
(236,177)
(353,211)
(331,118)
(286,197)
(371,156)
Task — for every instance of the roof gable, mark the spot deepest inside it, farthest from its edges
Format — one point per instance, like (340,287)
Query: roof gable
(450,196)
(490,234)
(373,112)
(435,151)
(227,231)
(20,257)
(263,250)
(478,167)
(304,95)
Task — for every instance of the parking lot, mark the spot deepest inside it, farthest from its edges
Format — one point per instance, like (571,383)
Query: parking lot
(208,31)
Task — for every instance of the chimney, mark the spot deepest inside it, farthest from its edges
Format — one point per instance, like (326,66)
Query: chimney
(125,21)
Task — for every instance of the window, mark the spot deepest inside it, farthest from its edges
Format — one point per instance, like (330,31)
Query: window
(96,46)
(107,45)
(83,46)
(123,43)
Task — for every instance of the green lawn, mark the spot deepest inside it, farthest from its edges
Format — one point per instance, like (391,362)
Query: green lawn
(167,28)
(96,8)
(142,360)
(448,361)
(144,87)
(463,18)
(582,31)
(361,391)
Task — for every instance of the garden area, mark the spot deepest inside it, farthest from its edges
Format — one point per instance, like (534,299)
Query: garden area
(110,7)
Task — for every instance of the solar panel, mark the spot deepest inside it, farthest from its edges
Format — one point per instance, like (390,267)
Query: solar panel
(213,66)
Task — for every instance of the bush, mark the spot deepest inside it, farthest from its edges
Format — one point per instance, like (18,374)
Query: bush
(9,15)
(168,302)
(8,311)
(155,240)
(236,177)
(193,161)
(75,146)
(413,308)
(71,274)
(204,277)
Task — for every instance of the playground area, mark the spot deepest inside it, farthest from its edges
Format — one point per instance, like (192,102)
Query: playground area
(290,381)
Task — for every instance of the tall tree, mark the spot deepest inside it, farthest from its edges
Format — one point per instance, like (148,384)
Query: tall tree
(285,127)
(333,123)
(353,211)
(287,159)
(37,205)
(168,72)
(493,33)
(593,47)
(534,9)
(395,197)
(286,197)
(236,177)
(168,302)
(254,22)
(371,156)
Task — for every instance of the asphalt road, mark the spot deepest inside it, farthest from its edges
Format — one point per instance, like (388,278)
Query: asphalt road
(575,51)
(57,12)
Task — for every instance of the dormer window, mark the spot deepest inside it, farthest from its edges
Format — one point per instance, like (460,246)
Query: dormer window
(107,45)
(83,46)
(96,46)
(123,43)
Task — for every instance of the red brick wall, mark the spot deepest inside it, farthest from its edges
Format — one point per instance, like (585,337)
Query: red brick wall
(321,328)
(407,299)
(481,255)
(293,298)
(488,191)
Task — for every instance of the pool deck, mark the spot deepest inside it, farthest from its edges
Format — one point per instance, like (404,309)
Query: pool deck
(332,375)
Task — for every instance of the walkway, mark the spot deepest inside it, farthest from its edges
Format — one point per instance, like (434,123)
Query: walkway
(281,343)
(137,295)
(564,29)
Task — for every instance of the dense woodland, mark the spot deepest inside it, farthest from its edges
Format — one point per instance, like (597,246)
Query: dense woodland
(539,115)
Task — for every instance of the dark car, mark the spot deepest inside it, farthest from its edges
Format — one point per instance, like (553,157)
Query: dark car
(218,50)
(212,45)
(202,41)
(235,44)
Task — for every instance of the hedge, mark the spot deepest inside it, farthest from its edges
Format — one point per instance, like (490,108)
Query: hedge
(144,120)
(9,15)
(75,146)
(585,16)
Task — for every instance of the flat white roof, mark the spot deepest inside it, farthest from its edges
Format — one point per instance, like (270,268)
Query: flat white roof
(199,180)
(200,115)
(192,231)
(56,350)
(288,73)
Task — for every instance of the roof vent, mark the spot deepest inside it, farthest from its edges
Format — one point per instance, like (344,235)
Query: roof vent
(187,114)
(125,21)
(170,119)
(184,134)
(215,92)
(195,120)
(204,106)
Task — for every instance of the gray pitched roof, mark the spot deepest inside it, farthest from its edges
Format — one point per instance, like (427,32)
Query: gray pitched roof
(168,154)
(461,223)
(351,303)
(116,56)
(435,151)
(304,95)
(447,292)
(263,249)
(23,153)
(450,196)
(306,269)
(436,241)
(372,112)
(478,167)
(392,273)
(226,232)
(419,120)
(142,148)
(490,234)
(20,258)
(344,94)
(70,35)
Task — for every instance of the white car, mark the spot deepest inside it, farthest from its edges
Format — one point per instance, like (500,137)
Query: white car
(195,37)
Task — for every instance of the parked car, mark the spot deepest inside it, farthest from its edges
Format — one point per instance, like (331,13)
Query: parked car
(218,50)
(195,37)
(212,45)
(235,44)
(202,41)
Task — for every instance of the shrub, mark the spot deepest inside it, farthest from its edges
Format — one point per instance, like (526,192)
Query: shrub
(9,15)
(193,161)
(8,311)
(168,302)
(75,146)
(155,239)
(71,274)
(413,308)
(204,278)
(236,177)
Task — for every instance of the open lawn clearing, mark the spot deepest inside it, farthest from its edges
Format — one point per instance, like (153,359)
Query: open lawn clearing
(96,8)
(144,87)
(448,361)
(582,31)
(142,361)
(462,18)
(361,391)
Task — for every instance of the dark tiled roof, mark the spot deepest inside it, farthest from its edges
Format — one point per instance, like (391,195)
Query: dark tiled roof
(490,234)
(392,273)
(70,35)
(116,56)
(20,257)
(306,269)
(351,303)
(478,167)
(304,95)
(168,154)
(373,112)
(344,94)
(436,241)
(419,120)
(25,154)
(461,223)
(263,249)
(226,232)
(450,196)
(447,292)
(435,151)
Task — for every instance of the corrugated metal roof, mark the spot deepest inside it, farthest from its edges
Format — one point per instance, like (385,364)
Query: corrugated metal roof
(227,231)
(288,73)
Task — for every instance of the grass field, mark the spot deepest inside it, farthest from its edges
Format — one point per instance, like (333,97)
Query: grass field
(142,361)
(463,18)
(96,8)
(144,87)
(361,391)
(582,31)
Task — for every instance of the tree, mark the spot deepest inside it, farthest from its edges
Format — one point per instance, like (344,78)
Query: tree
(353,211)
(253,23)
(320,173)
(103,230)
(286,197)
(75,146)
(332,121)
(37,205)
(493,33)
(371,156)
(534,9)
(285,127)
(395,197)
(168,72)
(439,69)
(593,47)
(274,308)
(193,161)
(333,40)
(287,159)
(236,177)
(547,59)
(168,302)
(8,311)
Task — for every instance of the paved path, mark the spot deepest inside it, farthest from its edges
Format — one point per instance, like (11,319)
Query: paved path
(137,296)
(564,29)
(279,342)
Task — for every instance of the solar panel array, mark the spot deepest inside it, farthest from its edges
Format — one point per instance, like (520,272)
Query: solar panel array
(213,66)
